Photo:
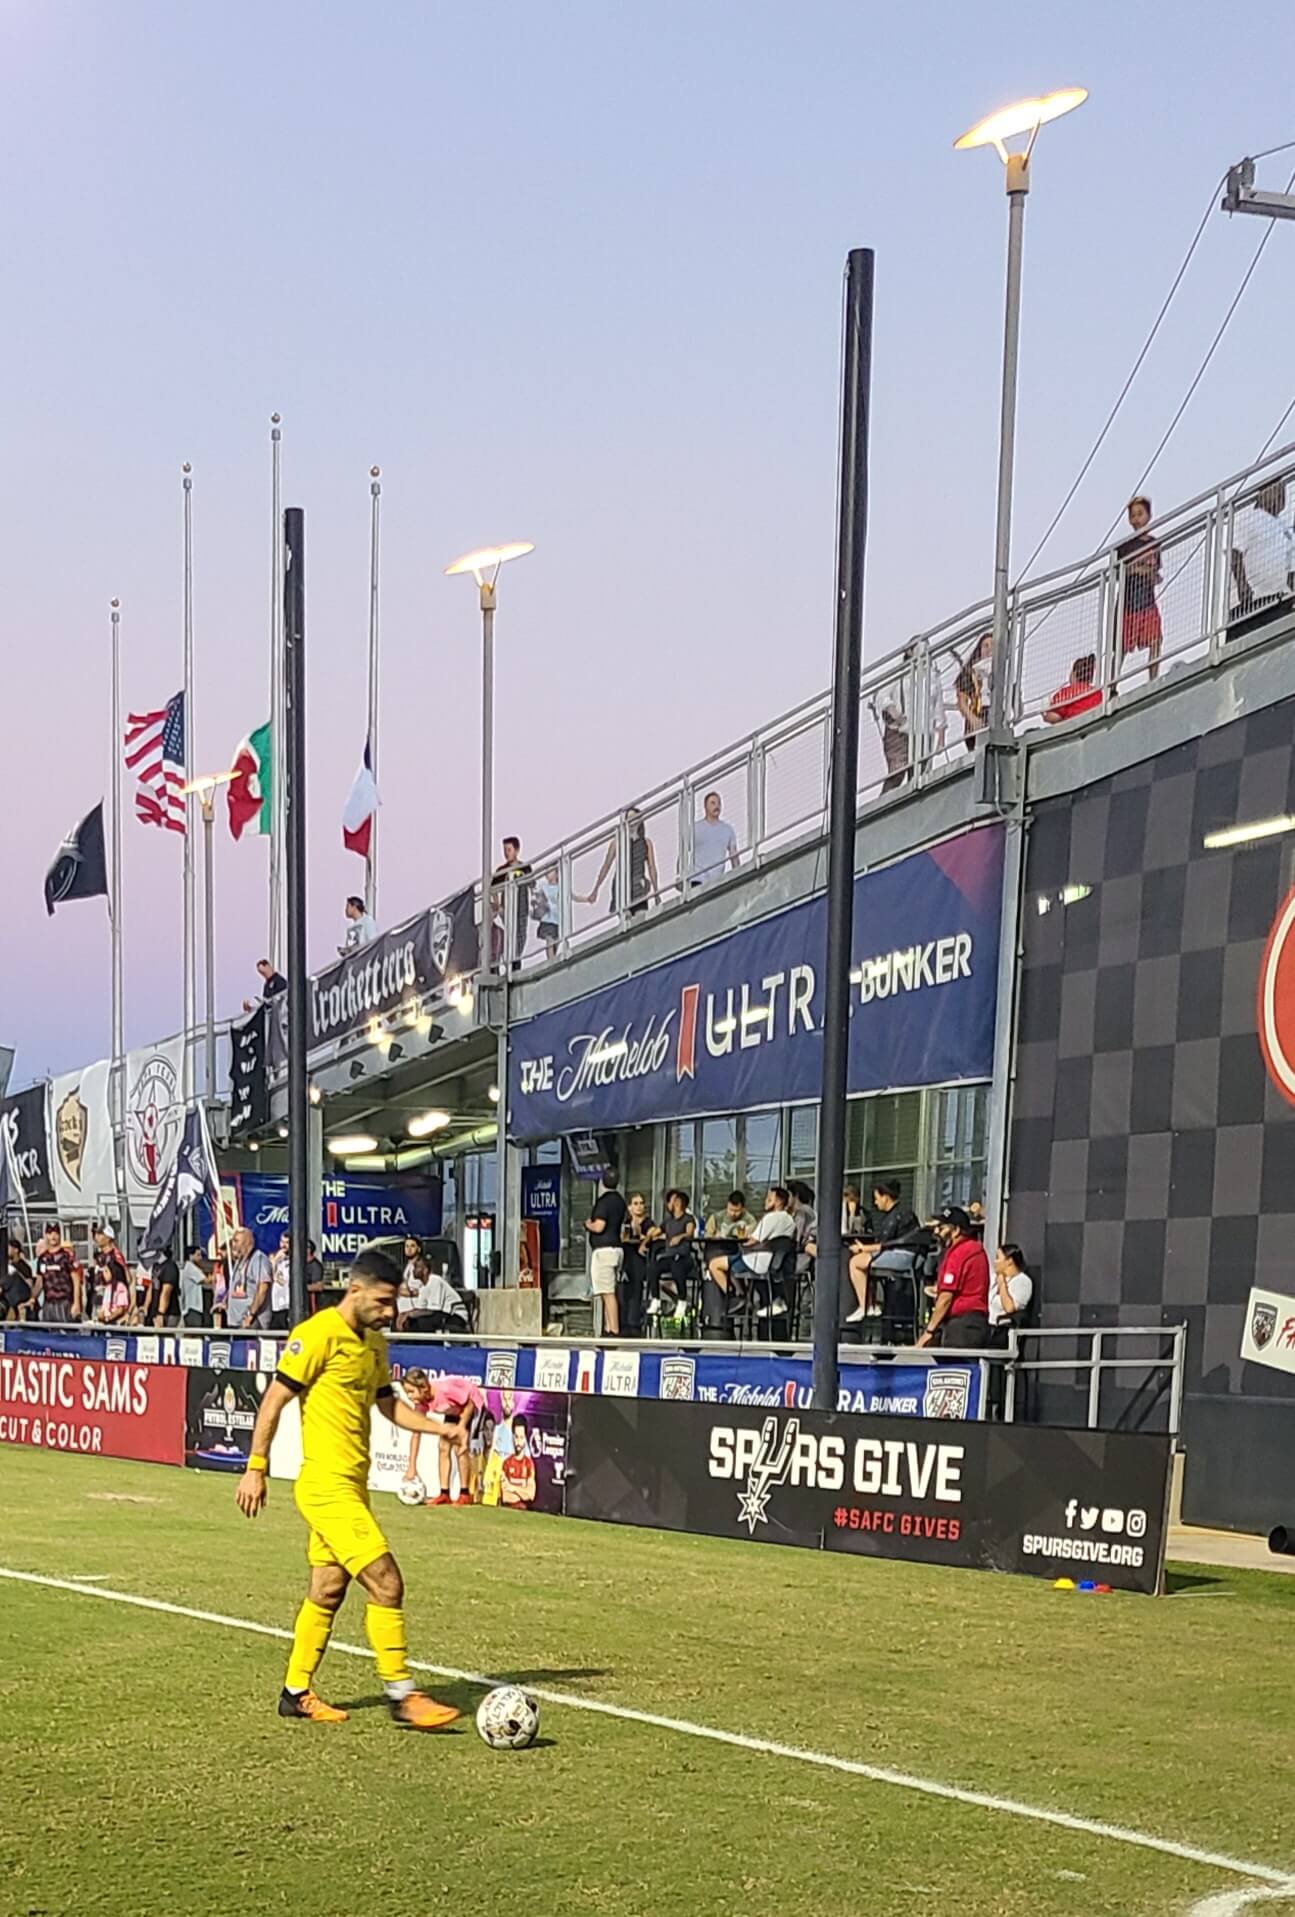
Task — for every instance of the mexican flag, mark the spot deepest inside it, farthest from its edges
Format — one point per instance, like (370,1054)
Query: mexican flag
(250,790)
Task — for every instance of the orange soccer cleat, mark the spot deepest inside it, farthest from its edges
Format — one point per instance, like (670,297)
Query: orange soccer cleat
(418,1712)
(313,1709)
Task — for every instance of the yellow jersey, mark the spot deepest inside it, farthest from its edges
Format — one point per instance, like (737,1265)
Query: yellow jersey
(339,1375)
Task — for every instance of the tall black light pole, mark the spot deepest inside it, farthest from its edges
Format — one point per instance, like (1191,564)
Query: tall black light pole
(851,543)
(294,762)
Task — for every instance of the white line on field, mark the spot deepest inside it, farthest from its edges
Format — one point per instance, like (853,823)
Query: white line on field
(1229,1903)
(1281,1880)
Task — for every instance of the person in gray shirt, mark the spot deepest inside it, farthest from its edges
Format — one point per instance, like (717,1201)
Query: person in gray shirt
(714,844)
(247,1301)
(195,1288)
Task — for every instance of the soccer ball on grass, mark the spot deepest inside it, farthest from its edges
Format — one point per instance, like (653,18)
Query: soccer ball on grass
(508,1719)
(412,1491)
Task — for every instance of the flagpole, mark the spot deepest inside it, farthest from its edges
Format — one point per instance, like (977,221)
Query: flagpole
(16,1184)
(189,932)
(274,943)
(118,1067)
(371,863)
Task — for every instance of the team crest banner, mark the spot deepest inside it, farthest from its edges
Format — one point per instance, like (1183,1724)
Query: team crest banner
(1269,1334)
(80,1142)
(154,1122)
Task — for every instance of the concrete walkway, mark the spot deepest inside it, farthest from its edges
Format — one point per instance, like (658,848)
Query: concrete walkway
(1188,1545)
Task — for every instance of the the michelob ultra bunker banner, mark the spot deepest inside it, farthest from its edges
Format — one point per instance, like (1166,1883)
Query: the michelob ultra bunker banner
(739,1023)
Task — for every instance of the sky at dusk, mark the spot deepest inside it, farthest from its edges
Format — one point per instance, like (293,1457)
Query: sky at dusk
(568,273)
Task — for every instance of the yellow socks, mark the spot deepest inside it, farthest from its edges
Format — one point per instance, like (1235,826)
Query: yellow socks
(310,1635)
(386,1629)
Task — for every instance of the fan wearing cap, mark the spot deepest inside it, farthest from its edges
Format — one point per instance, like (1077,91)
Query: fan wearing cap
(960,1315)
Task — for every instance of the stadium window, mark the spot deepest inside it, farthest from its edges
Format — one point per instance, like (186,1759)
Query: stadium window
(719,1164)
(957,1119)
(802,1143)
(681,1159)
(760,1154)
(883,1140)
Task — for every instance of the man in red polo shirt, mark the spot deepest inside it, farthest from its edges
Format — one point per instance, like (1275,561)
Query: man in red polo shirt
(960,1315)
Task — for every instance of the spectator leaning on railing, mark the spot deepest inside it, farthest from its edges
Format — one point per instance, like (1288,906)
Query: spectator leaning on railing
(272,983)
(714,844)
(511,871)
(1140,560)
(644,884)
(971,688)
(1263,558)
(1079,694)
(361,927)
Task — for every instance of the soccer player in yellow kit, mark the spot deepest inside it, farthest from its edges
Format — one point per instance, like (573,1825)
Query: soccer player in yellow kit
(336,1365)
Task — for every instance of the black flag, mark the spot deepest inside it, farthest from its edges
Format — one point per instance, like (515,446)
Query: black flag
(192,1175)
(80,871)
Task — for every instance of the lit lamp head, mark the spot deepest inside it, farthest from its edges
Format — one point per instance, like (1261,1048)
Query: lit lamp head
(484,566)
(1024,116)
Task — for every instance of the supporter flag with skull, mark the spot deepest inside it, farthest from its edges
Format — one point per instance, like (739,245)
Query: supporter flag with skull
(192,1176)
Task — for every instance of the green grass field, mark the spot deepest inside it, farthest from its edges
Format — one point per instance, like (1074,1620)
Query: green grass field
(144,1771)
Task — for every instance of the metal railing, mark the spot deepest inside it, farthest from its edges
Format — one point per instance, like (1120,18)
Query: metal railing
(1092,1362)
(923,708)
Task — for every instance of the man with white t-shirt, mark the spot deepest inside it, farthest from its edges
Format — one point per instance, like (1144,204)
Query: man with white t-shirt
(733,1274)
(1263,555)
(714,844)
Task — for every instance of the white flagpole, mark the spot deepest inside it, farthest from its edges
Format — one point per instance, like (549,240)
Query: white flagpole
(371,864)
(11,1158)
(189,929)
(274,943)
(118,1067)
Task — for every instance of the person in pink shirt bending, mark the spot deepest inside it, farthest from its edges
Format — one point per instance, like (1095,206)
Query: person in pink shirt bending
(459,1401)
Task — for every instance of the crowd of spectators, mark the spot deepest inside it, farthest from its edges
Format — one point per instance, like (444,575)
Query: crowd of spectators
(646,1275)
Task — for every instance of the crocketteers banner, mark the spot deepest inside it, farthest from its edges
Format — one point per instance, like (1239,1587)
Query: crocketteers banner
(80,1136)
(393,970)
(739,1023)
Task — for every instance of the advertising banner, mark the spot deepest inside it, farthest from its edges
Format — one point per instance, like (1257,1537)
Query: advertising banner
(1268,1334)
(541,1199)
(353,1211)
(396,968)
(23,1117)
(100,1410)
(80,1132)
(220,1411)
(1050,1504)
(739,1024)
(154,1122)
(518,1454)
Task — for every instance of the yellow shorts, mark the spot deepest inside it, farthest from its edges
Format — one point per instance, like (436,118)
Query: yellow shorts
(343,1529)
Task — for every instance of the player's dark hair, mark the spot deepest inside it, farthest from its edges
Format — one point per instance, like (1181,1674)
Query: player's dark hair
(414,1376)
(674,1192)
(374,1268)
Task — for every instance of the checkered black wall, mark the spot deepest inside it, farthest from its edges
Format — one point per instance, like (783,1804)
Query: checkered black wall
(1152,1168)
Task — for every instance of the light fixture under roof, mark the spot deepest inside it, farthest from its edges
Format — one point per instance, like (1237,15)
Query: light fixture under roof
(1247,834)
(349,1144)
(422,1123)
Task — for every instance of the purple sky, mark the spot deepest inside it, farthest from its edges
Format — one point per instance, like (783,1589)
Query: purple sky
(571,274)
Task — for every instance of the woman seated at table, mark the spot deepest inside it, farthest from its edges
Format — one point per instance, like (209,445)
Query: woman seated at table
(670,1262)
(632,1284)
(735,1221)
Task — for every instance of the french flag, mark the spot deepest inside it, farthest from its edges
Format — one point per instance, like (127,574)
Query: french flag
(361,808)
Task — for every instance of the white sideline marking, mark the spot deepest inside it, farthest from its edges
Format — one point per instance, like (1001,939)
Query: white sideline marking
(1281,1880)
(1229,1902)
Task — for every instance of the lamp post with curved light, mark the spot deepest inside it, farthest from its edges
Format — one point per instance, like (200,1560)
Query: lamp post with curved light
(1025,116)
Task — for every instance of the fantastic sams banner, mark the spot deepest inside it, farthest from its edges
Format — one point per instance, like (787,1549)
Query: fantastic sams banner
(103,1410)
(739,1023)
(1078,1504)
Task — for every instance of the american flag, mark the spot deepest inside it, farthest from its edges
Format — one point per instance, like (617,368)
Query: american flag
(155,754)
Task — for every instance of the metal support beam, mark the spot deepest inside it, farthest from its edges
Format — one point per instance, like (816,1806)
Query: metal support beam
(294,640)
(852,539)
